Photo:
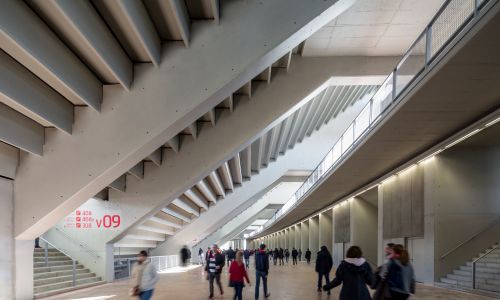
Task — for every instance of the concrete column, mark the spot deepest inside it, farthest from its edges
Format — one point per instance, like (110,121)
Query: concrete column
(325,229)
(7,264)
(297,244)
(364,222)
(304,237)
(291,238)
(314,236)
(283,239)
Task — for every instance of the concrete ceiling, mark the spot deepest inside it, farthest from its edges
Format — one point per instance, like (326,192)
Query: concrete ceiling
(373,27)
(488,137)
(445,99)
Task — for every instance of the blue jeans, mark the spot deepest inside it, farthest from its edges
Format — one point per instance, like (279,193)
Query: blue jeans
(146,295)
(320,279)
(258,276)
(238,290)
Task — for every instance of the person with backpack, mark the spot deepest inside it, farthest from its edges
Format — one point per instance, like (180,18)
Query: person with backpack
(214,265)
(261,270)
(324,264)
(354,273)
(238,274)
(400,276)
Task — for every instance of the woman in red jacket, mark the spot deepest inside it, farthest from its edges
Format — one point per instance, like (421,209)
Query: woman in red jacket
(237,275)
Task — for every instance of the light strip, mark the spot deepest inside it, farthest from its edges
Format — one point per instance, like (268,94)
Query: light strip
(463,138)
(493,122)
(423,160)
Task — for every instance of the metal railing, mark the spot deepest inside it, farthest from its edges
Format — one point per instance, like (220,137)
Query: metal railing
(449,21)
(74,262)
(474,264)
(123,266)
(471,238)
(80,244)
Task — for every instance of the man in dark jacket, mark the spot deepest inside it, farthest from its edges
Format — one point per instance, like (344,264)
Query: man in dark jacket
(324,264)
(295,253)
(308,256)
(231,255)
(215,263)
(246,255)
(261,270)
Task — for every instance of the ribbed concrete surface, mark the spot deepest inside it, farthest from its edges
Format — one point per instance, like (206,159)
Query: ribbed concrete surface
(288,282)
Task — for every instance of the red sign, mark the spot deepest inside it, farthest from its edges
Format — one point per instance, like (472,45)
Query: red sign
(87,219)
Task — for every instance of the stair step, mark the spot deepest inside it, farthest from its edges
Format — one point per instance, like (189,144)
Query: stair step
(494,295)
(55,268)
(51,258)
(42,250)
(64,284)
(56,279)
(67,289)
(59,273)
(53,263)
(50,254)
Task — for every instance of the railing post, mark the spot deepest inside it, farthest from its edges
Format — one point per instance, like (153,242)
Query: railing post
(128,267)
(474,275)
(74,272)
(428,44)
(46,255)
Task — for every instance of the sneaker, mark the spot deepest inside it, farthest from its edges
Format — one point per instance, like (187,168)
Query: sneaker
(210,297)
(319,290)
(269,294)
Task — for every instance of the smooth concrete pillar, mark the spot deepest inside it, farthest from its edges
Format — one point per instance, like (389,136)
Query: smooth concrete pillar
(304,237)
(287,238)
(297,244)
(291,238)
(7,264)
(364,222)
(325,229)
(283,239)
(314,236)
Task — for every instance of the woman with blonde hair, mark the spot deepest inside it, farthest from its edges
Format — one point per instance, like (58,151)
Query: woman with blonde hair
(237,275)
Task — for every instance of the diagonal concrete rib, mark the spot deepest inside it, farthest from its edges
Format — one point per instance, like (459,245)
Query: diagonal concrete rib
(161,103)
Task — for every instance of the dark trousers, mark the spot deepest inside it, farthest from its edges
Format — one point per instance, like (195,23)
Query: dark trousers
(286,258)
(146,295)
(320,279)
(211,278)
(294,260)
(258,276)
(281,261)
(238,290)
(308,260)
(247,262)
(399,296)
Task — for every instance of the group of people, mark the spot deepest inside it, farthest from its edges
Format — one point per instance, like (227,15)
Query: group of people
(281,256)
(393,280)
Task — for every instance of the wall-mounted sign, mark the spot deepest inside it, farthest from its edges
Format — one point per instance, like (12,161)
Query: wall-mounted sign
(93,215)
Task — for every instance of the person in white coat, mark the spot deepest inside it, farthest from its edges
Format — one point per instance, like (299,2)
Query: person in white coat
(144,277)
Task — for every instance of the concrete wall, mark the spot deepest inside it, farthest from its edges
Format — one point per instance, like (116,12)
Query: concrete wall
(364,220)
(7,258)
(465,191)
(304,237)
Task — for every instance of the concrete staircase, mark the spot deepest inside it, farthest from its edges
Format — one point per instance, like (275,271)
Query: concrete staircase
(487,275)
(57,277)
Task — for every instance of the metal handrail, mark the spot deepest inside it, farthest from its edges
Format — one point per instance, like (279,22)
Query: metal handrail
(496,221)
(81,244)
(159,268)
(73,260)
(430,55)
(476,260)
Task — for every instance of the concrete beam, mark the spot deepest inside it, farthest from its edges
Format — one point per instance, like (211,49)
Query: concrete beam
(233,62)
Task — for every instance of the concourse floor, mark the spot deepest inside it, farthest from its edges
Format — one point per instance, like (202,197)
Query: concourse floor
(286,282)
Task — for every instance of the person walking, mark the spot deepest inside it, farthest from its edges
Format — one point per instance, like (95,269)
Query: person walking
(400,276)
(237,275)
(214,265)
(308,256)
(324,264)
(275,255)
(184,255)
(300,255)
(231,254)
(200,257)
(246,255)
(295,253)
(261,270)
(354,273)
(144,277)
(287,255)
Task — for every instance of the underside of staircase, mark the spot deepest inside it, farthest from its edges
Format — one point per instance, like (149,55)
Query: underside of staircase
(57,276)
